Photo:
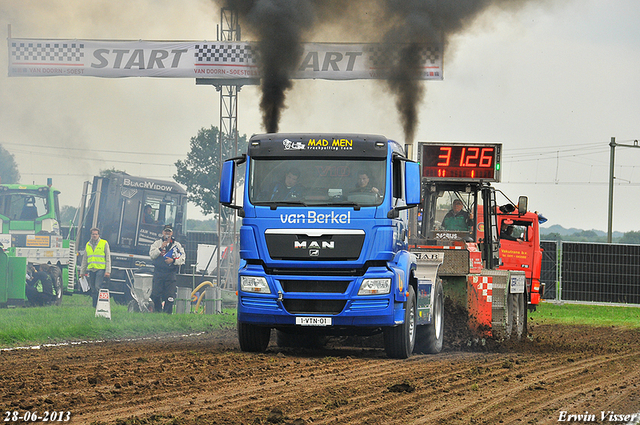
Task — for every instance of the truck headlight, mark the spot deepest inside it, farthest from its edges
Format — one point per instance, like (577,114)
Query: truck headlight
(254,284)
(375,287)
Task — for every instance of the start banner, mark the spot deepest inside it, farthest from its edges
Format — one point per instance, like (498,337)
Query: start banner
(222,60)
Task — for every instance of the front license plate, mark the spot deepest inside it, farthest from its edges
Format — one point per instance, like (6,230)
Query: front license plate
(313,321)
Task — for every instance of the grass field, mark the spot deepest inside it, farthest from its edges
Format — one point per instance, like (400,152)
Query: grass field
(75,321)
(581,314)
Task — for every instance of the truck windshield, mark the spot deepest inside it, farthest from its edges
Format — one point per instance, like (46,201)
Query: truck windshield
(160,209)
(448,214)
(304,182)
(23,204)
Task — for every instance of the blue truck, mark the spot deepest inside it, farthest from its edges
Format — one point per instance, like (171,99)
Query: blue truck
(324,243)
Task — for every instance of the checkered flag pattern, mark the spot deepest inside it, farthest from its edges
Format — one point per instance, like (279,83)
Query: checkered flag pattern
(484,285)
(241,54)
(63,52)
(378,55)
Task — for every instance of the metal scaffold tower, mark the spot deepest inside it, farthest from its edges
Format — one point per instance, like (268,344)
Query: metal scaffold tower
(228,241)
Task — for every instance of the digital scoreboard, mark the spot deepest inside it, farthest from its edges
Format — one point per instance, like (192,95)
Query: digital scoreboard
(460,161)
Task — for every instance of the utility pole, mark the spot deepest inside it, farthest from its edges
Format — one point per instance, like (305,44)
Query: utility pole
(613,145)
(612,158)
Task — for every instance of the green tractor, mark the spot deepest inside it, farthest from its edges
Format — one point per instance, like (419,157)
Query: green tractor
(30,233)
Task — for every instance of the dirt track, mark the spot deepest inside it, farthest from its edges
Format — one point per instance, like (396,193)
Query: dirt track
(206,379)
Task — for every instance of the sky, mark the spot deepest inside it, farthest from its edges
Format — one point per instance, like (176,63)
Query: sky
(553,82)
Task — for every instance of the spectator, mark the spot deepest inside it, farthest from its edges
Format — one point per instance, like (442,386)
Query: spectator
(167,254)
(96,263)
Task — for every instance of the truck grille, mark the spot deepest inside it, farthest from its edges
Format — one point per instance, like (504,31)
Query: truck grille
(332,247)
(314,306)
(321,286)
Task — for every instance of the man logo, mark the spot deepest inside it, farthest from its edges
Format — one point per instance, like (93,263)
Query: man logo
(314,244)
(314,253)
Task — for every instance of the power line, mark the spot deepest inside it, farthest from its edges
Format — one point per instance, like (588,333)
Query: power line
(576,153)
(84,158)
(119,152)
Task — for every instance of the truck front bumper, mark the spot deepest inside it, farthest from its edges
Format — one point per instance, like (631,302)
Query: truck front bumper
(344,307)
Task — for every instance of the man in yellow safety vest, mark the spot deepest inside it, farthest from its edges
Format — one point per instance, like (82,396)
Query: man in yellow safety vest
(96,263)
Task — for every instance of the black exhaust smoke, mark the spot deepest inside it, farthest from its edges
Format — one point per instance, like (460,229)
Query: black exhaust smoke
(279,26)
(405,26)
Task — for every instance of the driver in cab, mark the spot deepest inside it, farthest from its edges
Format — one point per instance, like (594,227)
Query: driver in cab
(289,188)
(458,219)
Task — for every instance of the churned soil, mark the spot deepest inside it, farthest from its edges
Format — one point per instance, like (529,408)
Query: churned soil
(206,379)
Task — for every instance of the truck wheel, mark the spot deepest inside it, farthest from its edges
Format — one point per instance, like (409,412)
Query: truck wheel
(430,337)
(399,341)
(525,304)
(516,316)
(521,324)
(253,338)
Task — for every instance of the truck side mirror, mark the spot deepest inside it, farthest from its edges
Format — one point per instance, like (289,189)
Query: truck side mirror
(412,183)
(411,189)
(523,205)
(227,183)
(227,178)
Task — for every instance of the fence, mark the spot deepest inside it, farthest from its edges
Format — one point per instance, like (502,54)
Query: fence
(191,247)
(591,272)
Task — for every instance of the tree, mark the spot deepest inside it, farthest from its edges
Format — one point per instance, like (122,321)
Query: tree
(554,236)
(67,214)
(209,225)
(630,238)
(200,172)
(107,172)
(8,167)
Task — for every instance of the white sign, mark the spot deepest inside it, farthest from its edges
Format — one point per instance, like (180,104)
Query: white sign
(517,284)
(216,60)
(103,306)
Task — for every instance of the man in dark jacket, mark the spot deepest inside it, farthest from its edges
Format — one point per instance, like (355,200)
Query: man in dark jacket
(39,289)
(289,189)
(364,184)
(167,254)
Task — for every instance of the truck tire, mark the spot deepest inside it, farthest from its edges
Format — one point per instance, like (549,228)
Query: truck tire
(253,338)
(399,341)
(429,338)
(516,316)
